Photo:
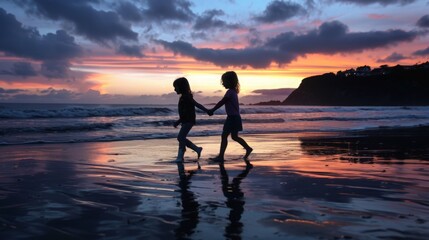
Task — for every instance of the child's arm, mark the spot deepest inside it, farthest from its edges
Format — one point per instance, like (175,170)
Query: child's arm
(218,105)
(198,105)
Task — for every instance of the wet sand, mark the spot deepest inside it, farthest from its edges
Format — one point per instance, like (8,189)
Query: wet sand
(367,185)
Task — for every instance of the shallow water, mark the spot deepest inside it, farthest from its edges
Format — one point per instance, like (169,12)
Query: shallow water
(71,123)
(299,188)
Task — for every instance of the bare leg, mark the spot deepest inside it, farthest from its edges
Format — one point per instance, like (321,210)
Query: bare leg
(223,145)
(194,147)
(181,137)
(243,143)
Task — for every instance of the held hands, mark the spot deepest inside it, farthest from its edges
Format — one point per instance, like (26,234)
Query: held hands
(210,112)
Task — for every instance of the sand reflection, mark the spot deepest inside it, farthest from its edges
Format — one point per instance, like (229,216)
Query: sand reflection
(190,211)
(234,200)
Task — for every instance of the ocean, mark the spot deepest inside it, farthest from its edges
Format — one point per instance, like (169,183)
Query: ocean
(68,123)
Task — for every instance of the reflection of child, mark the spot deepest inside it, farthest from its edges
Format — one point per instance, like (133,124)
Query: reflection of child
(186,106)
(233,122)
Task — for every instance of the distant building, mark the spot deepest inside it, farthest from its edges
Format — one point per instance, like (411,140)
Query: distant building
(363,70)
(350,72)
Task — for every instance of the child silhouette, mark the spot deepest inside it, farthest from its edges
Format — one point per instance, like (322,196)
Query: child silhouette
(186,107)
(233,123)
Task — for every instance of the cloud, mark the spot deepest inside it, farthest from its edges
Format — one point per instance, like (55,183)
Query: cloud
(55,69)
(333,37)
(278,11)
(130,50)
(25,42)
(274,92)
(165,10)
(254,57)
(97,25)
(207,21)
(50,95)
(394,57)
(265,95)
(11,91)
(129,11)
(53,50)
(381,2)
(423,52)
(21,69)
(329,38)
(423,21)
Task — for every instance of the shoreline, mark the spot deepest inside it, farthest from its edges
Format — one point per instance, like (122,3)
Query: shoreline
(300,187)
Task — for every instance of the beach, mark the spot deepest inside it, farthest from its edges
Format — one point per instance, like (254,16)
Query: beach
(360,185)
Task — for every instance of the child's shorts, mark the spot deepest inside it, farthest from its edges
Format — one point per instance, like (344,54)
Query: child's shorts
(232,124)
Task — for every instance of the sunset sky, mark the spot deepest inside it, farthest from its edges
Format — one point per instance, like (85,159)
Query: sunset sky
(108,51)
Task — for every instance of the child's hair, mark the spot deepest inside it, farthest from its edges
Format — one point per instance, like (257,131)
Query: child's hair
(230,80)
(182,85)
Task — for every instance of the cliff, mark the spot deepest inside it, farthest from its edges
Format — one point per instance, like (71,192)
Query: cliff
(384,86)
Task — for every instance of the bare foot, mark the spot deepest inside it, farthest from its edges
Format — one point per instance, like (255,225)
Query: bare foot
(199,150)
(248,152)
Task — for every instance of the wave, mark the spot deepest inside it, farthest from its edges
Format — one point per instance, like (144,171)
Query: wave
(215,121)
(80,112)
(73,111)
(144,136)
(361,118)
(57,129)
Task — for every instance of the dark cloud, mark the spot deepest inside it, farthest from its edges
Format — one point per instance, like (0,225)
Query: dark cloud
(97,25)
(60,94)
(254,57)
(11,91)
(274,92)
(266,95)
(55,69)
(207,21)
(423,52)
(333,37)
(25,42)
(129,11)
(21,69)
(394,57)
(423,21)
(50,95)
(381,2)
(278,11)
(254,37)
(329,38)
(129,50)
(159,11)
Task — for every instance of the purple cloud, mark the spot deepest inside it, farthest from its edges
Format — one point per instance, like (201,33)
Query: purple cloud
(394,57)
(381,2)
(329,38)
(129,50)
(423,52)
(254,57)
(278,11)
(208,21)
(333,37)
(21,69)
(94,24)
(423,21)
(165,10)
(25,42)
